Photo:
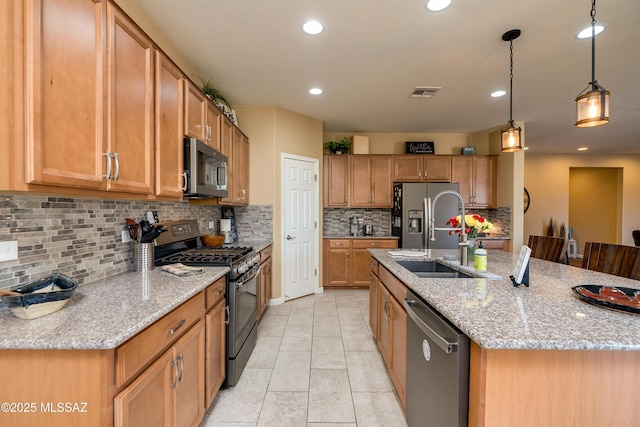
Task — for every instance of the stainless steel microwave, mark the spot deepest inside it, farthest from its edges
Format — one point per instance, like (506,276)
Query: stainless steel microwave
(205,171)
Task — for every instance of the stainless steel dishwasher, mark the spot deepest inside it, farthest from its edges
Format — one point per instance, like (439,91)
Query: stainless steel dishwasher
(437,368)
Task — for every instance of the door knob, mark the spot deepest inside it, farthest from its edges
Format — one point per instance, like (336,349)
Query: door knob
(289,237)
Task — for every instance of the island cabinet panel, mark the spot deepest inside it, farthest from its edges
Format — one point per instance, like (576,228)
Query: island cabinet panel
(336,181)
(391,329)
(478,179)
(373,300)
(169,127)
(553,388)
(422,167)
(64,93)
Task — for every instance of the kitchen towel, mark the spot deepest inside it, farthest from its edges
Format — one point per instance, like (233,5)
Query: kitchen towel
(181,269)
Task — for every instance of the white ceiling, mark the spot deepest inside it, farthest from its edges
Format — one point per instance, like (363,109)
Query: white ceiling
(372,53)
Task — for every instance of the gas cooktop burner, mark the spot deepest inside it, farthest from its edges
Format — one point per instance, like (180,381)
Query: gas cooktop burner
(204,256)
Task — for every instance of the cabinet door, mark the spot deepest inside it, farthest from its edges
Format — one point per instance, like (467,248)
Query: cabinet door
(169,127)
(130,106)
(407,168)
(462,173)
(189,353)
(64,109)
(214,119)
(195,112)
(373,302)
(360,269)
(240,168)
(436,168)
(384,323)
(360,179)
(381,181)
(398,365)
(485,181)
(264,287)
(337,262)
(226,144)
(146,402)
(215,360)
(336,181)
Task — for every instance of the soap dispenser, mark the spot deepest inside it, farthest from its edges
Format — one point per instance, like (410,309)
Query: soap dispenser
(481,258)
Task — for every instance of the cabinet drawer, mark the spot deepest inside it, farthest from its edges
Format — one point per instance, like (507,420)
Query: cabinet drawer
(373,244)
(265,254)
(216,292)
(139,351)
(396,288)
(342,243)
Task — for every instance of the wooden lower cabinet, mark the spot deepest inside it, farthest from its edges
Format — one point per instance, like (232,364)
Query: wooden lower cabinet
(373,297)
(391,329)
(264,281)
(215,340)
(346,261)
(171,391)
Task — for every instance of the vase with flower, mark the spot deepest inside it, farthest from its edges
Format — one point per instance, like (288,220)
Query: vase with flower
(474,225)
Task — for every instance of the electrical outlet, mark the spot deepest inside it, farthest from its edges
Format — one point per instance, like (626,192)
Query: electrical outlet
(126,237)
(211,225)
(8,250)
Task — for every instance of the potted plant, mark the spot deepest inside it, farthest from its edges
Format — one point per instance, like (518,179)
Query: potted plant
(338,147)
(213,92)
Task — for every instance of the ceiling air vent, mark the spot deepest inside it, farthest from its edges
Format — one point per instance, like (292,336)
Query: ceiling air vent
(424,92)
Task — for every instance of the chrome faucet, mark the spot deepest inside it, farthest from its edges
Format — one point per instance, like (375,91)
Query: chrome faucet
(463,242)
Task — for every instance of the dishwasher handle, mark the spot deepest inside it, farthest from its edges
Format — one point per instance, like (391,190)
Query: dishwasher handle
(442,342)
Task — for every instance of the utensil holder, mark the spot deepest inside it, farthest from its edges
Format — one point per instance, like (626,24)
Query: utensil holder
(143,254)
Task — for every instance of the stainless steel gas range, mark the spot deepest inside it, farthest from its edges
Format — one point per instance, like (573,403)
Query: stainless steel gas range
(181,244)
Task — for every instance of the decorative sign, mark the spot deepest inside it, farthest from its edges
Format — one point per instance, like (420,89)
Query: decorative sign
(420,147)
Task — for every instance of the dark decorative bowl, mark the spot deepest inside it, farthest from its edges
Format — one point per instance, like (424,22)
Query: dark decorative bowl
(41,297)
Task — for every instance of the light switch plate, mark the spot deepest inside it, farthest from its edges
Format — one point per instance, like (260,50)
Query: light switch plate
(8,250)
(211,225)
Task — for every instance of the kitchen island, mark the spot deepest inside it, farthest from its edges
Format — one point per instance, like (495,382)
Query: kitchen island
(123,346)
(539,355)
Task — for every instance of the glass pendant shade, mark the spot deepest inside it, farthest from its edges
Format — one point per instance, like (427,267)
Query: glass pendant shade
(511,140)
(592,107)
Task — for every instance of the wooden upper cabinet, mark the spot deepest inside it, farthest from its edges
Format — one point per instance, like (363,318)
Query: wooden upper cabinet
(478,180)
(235,145)
(195,112)
(214,122)
(336,181)
(130,101)
(419,167)
(226,146)
(371,181)
(64,93)
(169,127)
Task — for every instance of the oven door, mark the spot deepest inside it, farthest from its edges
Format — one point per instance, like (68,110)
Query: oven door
(243,303)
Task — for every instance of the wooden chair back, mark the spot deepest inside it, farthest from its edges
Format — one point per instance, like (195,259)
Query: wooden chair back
(619,260)
(548,248)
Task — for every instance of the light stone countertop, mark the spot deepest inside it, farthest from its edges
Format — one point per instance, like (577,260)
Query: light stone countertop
(105,313)
(546,315)
(349,236)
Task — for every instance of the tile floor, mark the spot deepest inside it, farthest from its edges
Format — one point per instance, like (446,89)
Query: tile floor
(315,365)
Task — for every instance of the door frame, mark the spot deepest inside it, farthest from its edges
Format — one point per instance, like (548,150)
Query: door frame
(316,237)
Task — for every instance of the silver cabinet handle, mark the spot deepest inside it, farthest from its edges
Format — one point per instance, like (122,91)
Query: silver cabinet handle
(178,326)
(174,363)
(289,237)
(181,359)
(226,320)
(117,174)
(184,181)
(107,175)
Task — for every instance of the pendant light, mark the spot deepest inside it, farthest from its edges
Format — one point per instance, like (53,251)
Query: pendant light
(511,138)
(592,104)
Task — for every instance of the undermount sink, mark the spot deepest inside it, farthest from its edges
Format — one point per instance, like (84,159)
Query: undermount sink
(433,269)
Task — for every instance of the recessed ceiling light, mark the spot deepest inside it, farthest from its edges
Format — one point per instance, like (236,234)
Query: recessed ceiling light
(583,148)
(586,33)
(312,27)
(315,91)
(498,94)
(436,5)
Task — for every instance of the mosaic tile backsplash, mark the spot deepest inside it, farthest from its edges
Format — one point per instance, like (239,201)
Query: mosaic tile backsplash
(82,238)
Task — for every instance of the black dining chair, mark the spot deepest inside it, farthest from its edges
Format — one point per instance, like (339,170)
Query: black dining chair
(636,237)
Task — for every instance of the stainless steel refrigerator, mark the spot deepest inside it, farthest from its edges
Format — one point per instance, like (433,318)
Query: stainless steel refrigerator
(408,218)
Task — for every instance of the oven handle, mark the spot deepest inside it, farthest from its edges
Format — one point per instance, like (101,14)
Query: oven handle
(239,284)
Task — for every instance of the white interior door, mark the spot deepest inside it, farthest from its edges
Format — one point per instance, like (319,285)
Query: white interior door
(300,225)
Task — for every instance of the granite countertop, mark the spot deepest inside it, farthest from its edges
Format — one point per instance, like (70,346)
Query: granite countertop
(104,314)
(258,245)
(546,315)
